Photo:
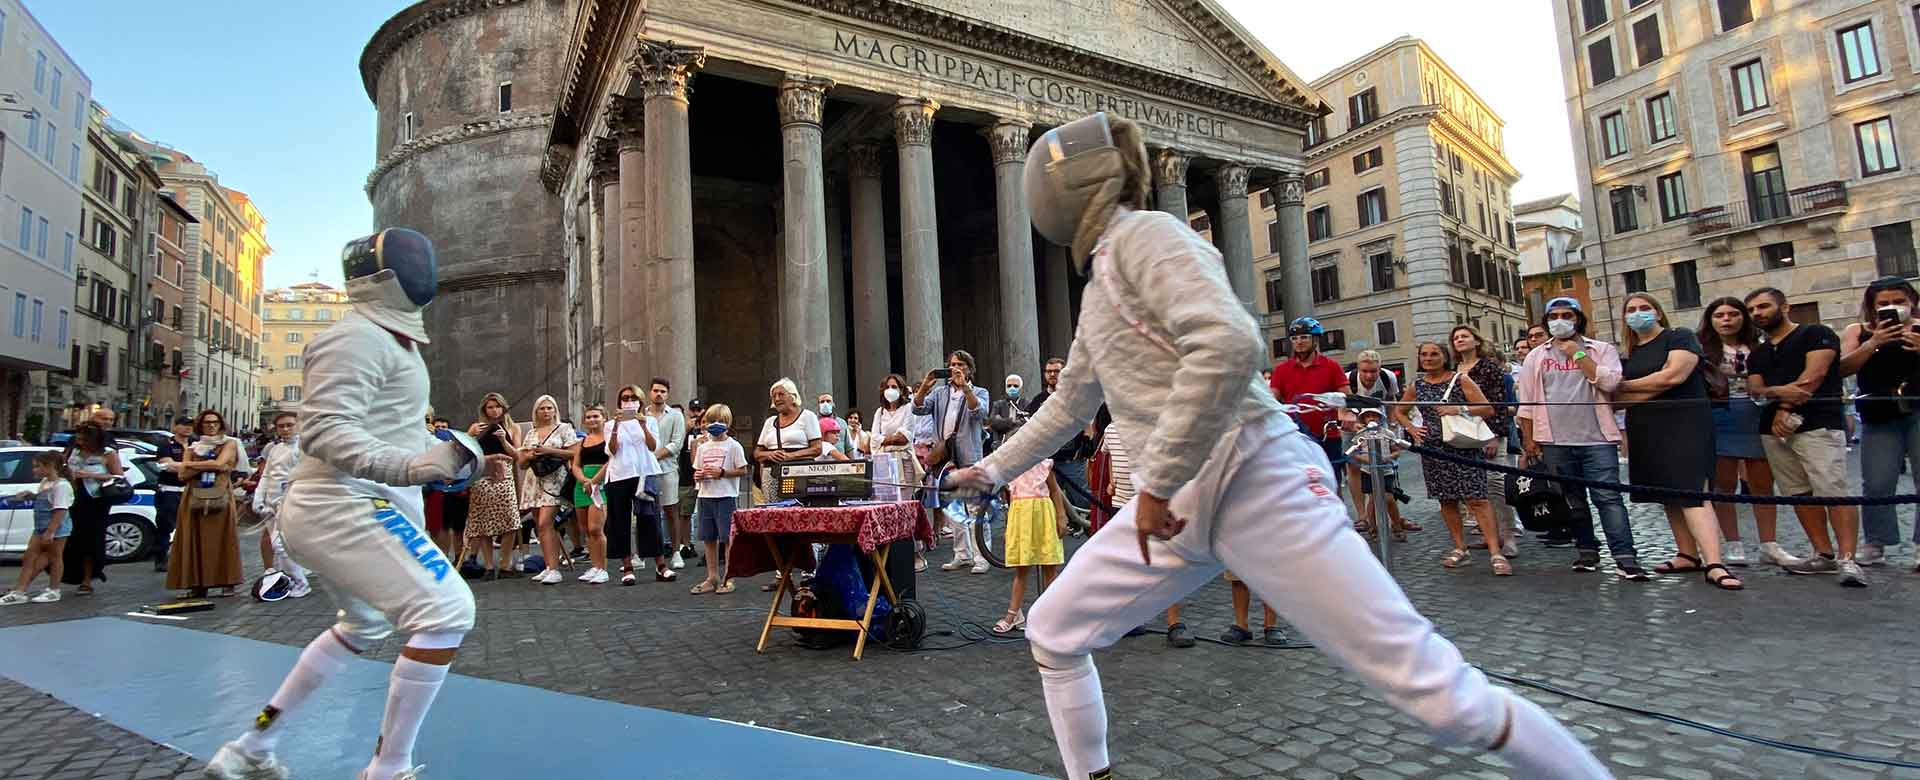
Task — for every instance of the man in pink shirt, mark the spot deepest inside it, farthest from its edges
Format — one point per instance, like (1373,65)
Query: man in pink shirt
(1567,426)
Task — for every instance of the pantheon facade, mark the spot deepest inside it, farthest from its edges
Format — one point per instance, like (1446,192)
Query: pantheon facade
(724,192)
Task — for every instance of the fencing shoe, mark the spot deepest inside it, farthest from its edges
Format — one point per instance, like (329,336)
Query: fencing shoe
(232,763)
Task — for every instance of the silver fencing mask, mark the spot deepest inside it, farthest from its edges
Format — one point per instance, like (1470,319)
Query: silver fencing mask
(1075,177)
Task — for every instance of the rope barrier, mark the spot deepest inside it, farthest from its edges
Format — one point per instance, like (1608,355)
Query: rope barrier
(1663,492)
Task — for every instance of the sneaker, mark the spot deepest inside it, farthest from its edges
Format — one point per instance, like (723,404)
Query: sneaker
(1773,553)
(13,597)
(1508,549)
(626,578)
(600,577)
(1871,555)
(1273,636)
(1588,561)
(548,577)
(979,567)
(300,590)
(47,596)
(1235,635)
(1629,569)
(1818,564)
(1850,574)
(1178,635)
(405,774)
(589,575)
(956,564)
(1557,541)
(1735,553)
(232,763)
(678,562)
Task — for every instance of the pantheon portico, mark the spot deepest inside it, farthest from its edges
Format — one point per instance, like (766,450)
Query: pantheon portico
(830,189)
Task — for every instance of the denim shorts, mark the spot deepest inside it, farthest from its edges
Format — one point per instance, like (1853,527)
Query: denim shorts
(713,518)
(1736,430)
(65,530)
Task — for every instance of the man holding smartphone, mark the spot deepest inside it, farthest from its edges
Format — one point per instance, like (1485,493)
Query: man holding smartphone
(1883,351)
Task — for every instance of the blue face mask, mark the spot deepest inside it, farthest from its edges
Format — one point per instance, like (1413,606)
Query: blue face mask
(1642,321)
(1013,391)
(826,408)
(715,429)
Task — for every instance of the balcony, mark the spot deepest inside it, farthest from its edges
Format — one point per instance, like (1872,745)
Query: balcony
(1805,203)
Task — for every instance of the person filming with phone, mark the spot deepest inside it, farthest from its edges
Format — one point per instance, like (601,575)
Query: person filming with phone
(1883,350)
(958,410)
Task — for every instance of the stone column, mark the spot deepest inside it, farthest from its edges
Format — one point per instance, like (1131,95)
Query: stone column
(1019,313)
(919,234)
(628,315)
(1296,278)
(1170,182)
(837,288)
(872,315)
(806,340)
(1059,301)
(662,71)
(608,306)
(1233,234)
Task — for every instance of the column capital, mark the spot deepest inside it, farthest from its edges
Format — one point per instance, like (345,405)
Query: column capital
(664,68)
(626,117)
(1290,191)
(865,161)
(1170,168)
(1009,138)
(801,98)
(913,121)
(604,158)
(1232,178)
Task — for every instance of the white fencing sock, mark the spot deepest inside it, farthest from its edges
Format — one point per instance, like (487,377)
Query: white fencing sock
(324,656)
(1078,711)
(1538,746)
(410,694)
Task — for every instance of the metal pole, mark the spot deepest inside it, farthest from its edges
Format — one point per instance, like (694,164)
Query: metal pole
(1376,470)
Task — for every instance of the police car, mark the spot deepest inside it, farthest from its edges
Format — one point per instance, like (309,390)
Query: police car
(131,532)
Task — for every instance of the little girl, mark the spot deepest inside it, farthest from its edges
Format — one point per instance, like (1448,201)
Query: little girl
(51,527)
(1036,521)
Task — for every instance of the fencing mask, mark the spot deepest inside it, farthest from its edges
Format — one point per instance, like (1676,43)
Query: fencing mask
(1076,175)
(391,275)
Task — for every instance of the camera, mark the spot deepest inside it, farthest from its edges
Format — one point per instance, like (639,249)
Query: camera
(941,373)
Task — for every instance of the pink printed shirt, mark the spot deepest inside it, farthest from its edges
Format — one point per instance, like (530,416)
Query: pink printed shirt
(1532,388)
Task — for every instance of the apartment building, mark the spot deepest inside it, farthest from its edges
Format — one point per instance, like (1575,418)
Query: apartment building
(1548,233)
(294,315)
(1726,145)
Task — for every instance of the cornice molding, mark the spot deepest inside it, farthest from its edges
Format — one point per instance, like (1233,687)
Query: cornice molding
(480,281)
(409,24)
(452,135)
(1373,130)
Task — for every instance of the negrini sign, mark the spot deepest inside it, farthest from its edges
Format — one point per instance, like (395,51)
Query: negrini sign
(914,58)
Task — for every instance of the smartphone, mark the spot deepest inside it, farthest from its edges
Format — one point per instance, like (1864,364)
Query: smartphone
(1888,314)
(942,373)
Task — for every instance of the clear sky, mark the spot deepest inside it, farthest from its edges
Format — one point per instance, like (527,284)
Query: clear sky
(267,93)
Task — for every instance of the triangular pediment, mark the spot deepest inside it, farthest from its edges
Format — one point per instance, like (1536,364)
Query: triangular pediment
(1189,39)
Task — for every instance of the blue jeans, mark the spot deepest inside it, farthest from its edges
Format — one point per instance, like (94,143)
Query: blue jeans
(1599,462)
(1883,447)
(1074,471)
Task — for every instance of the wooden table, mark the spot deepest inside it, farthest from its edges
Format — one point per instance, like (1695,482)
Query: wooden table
(786,535)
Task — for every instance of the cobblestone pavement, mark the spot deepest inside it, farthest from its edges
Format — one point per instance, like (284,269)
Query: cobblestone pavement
(1792,658)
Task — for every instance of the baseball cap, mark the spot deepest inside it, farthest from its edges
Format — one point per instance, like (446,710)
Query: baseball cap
(1570,303)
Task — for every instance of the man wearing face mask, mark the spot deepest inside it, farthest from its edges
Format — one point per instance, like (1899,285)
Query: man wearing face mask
(824,405)
(354,515)
(1011,411)
(1883,350)
(1161,329)
(1574,433)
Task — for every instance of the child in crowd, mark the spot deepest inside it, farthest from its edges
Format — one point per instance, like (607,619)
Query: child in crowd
(830,440)
(51,527)
(717,467)
(1036,522)
(1391,476)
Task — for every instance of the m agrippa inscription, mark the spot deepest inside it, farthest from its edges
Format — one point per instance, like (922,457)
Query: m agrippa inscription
(992,77)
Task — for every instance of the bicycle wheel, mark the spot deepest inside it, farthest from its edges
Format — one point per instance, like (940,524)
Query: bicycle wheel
(990,529)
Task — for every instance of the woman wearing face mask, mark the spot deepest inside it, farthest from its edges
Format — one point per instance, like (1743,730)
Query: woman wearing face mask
(1883,349)
(1727,338)
(1670,444)
(1449,483)
(546,443)
(892,438)
(1012,409)
(493,507)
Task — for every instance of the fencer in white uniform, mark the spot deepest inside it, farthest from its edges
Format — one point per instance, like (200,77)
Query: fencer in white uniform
(1160,328)
(276,473)
(354,515)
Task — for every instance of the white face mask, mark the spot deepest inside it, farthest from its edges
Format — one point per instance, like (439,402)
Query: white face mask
(892,394)
(1904,310)
(1560,329)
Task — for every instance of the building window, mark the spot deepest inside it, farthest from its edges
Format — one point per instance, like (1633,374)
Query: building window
(1361,109)
(1366,161)
(1326,283)
(1859,58)
(1276,293)
(296,314)
(1372,206)
(1316,132)
(406,127)
(1777,256)
(1446,199)
(1273,236)
(1749,87)
(1673,197)
(1874,140)
(1735,13)
(1382,266)
(506,96)
(1385,333)
(1893,250)
(173,318)
(293,337)
(1600,61)
(1201,224)
(1566,281)
(1319,223)
(1613,135)
(19,315)
(62,327)
(1625,218)
(26,229)
(1646,40)
(323,315)
(292,361)
(1686,285)
(1766,184)
(1660,124)
(1634,281)
(40,72)
(40,250)
(1315,180)
(290,393)
(1593,12)
(1476,273)
(1456,265)
(1336,340)
(1266,199)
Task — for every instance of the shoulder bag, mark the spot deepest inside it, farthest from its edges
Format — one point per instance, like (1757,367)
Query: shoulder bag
(1463,431)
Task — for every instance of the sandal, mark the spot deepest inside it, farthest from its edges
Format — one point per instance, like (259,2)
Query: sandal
(1456,558)
(725,588)
(1006,626)
(1415,527)
(1400,534)
(1726,580)
(1501,568)
(1692,565)
(703,588)
(85,590)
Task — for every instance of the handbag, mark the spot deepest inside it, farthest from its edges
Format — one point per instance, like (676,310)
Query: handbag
(114,491)
(1541,505)
(545,465)
(1463,431)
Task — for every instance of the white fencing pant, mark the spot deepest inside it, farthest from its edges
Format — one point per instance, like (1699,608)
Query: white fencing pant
(377,563)
(1267,506)
(281,560)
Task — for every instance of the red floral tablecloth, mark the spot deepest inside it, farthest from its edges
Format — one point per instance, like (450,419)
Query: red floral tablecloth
(874,525)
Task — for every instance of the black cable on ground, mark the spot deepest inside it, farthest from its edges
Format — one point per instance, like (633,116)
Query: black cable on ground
(1661,492)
